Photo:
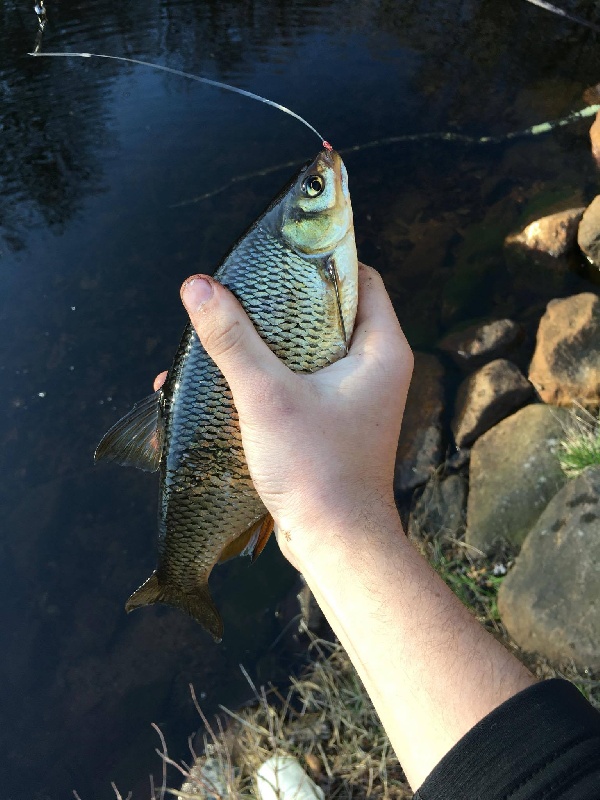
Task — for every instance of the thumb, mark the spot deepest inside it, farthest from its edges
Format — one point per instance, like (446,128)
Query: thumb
(227,334)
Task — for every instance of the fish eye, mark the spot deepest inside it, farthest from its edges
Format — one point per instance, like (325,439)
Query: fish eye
(313,185)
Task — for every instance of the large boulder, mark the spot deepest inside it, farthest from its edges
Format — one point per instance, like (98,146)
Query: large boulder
(550,600)
(554,235)
(514,473)
(565,368)
(588,235)
(420,446)
(474,346)
(486,397)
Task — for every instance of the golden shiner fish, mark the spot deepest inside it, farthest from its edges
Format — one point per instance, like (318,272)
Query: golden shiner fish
(295,273)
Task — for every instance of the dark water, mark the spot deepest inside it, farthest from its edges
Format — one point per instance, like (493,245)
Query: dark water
(93,158)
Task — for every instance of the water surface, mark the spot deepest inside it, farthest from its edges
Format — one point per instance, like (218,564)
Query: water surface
(98,165)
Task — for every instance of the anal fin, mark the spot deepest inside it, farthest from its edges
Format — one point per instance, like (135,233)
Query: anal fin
(266,529)
(251,542)
(198,603)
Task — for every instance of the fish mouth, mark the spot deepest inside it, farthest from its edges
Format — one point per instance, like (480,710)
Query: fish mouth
(328,159)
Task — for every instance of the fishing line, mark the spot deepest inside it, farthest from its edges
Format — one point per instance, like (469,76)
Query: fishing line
(559,12)
(198,78)
(450,136)
(440,136)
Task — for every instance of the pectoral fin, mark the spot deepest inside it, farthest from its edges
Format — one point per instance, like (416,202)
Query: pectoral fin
(137,439)
(198,603)
(334,277)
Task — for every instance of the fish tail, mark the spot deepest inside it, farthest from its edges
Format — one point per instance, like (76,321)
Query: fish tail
(198,604)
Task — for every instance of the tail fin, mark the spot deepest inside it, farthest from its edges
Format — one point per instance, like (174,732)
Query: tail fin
(198,604)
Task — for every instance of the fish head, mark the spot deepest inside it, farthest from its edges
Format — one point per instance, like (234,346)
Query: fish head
(316,213)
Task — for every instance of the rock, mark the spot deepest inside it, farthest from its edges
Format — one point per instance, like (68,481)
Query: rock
(207,779)
(478,344)
(486,397)
(477,260)
(591,95)
(565,368)
(430,241)
(588,236)
(595,138)
(311,616)
(416,244)
(460,458)
(554,235)
(281,777)
(420,446)
(514,473)
(441,509)
(550,600)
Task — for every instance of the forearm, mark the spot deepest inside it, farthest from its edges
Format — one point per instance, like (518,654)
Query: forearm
(430,668)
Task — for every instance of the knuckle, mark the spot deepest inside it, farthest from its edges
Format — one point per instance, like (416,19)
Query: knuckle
(370,274)
(222,340)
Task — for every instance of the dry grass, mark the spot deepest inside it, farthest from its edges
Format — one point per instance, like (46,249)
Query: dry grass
(326,721)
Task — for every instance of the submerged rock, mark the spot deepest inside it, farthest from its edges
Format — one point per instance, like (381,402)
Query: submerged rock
(514,473)
(565,368)
(550,600)
(486,397)
(420,446)
(421,245)
(588,235)
(554,235)
(474,346)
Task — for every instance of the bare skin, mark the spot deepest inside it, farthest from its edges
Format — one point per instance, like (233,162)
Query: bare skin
(321,451)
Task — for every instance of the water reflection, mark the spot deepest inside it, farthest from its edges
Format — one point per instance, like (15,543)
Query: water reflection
(93,159)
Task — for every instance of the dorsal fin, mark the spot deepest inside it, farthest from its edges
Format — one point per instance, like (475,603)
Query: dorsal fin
(136,440)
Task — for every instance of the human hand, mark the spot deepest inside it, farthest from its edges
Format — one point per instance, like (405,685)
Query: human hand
(321,447)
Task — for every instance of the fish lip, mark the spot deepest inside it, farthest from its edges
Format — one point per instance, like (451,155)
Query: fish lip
(325,157)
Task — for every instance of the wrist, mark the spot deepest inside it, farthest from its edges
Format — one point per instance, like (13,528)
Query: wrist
(342,532)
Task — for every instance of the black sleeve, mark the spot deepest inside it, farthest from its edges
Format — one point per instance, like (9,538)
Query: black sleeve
(542,743)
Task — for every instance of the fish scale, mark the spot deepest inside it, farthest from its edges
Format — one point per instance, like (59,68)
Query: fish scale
(303,307)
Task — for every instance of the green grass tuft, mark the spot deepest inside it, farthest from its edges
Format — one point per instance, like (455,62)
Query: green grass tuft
(580,447)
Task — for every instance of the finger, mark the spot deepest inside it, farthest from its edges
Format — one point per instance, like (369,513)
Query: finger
(227,334)
(159,380)
(376,327)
